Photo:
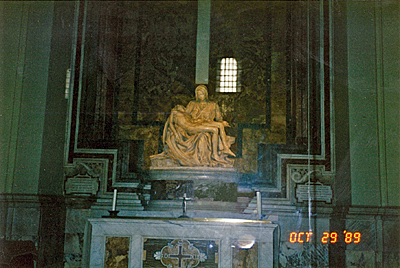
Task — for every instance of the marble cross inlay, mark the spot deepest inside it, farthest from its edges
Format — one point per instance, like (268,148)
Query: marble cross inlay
(180,253)
(180,256)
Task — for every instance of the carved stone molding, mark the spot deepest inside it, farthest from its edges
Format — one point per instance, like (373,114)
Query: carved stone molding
(302,173)
(93,169)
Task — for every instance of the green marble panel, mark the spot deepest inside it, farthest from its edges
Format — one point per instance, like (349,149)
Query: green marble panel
(364,153)
(27,30)
(391,97)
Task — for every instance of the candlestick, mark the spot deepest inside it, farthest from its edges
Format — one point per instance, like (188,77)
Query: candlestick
(259,212)
(114,203)
(113,213)
(184,206)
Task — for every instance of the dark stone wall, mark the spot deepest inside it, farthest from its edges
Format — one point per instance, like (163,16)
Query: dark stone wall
(139,62)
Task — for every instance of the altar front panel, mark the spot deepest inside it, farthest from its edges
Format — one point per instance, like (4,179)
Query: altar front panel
(176,242)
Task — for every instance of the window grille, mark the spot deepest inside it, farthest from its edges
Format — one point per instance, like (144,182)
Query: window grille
(228,76)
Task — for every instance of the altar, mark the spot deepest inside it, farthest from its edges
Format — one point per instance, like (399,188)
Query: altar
(180,242)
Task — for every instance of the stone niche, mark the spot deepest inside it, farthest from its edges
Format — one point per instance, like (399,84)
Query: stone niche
(180,242)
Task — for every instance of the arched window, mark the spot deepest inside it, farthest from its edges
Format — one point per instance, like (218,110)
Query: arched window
(228,76)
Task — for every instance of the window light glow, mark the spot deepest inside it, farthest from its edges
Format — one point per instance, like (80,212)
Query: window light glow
(228,75)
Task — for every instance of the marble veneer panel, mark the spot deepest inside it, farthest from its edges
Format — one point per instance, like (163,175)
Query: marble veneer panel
(245,257)
(311,254)
(226,231)
(74,235)
(391,232)
(117,252)
(24,223)
(303,255)
(360,259)
(391,243)
(369,234)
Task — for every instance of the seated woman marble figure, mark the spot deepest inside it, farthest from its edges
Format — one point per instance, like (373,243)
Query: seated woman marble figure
(181,119)
(195,136)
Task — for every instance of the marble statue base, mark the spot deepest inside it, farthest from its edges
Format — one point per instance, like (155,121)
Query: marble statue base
(169,185)
(229,175)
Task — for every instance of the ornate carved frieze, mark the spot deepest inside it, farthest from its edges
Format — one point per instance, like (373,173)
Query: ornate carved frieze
(301,173)
(85,167)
